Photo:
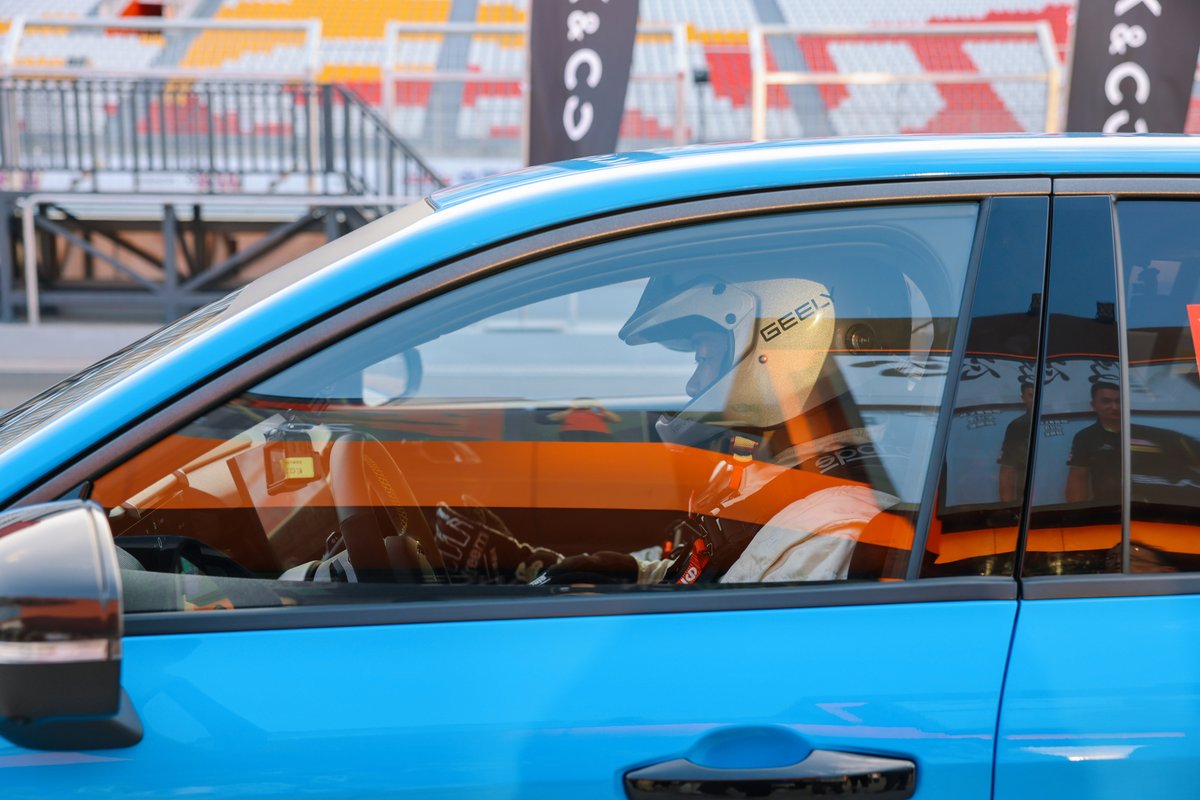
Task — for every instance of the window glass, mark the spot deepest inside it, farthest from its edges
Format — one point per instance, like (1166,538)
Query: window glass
(33,414)
(66,395)
(982,487)
(1160,254)
(748,401)
(1075,524)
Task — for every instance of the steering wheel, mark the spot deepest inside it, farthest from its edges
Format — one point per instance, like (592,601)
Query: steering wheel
(386,535)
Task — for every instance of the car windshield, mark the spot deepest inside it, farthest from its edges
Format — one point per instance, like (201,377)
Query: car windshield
(21,421)
(66,394)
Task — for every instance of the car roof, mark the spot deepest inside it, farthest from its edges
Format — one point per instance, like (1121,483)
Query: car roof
(767,165)
(480,214)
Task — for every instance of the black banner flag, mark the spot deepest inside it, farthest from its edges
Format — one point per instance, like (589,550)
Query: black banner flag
(580,53)
(1133,65)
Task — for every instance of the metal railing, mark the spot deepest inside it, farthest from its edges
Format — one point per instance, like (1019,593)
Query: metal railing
(143,47)
(365,153)
(178,270)
(884,97)
(460,89)
(207,137)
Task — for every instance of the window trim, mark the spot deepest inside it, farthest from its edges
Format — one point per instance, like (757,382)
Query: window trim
(970,316)
(1035,410)
(444,277)
(1126,188)
(941,430)
(692,600)
(1126,399)
(1048,308)
(1067,587)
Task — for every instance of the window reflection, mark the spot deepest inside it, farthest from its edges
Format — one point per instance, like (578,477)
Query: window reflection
(1161,262)
(974,528)
(1014,449)
(1094,465)
(1075,521)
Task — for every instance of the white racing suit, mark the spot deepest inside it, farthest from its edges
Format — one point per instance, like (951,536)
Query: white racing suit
(811,539)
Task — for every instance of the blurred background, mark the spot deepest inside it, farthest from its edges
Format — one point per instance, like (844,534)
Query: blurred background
(155,155)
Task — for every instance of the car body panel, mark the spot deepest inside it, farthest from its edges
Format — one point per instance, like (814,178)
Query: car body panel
(525,701)
(545,707)
(1102,699)
(750,166)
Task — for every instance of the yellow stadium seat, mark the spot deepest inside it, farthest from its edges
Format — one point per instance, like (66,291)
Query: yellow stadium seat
(362,19)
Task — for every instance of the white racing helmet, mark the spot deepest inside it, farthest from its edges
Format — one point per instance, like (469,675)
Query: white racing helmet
(760,344)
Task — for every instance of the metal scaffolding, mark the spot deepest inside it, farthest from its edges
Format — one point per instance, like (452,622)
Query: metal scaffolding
(89,162)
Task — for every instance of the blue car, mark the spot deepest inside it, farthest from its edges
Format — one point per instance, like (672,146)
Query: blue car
(761,470)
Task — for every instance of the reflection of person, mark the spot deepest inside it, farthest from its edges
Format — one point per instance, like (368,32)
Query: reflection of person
(1165,464)
(584,421)
(760,348)
(1094,467)
(1014,452)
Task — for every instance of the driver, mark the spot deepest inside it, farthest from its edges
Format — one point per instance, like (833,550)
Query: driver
(765,394)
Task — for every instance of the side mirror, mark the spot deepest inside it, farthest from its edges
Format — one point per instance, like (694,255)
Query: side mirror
(60,631)
(392,379)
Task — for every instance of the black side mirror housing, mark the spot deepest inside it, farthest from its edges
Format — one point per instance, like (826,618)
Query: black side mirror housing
(60,631)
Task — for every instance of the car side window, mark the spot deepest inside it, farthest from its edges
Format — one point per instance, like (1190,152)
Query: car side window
(1096,461)
(745,401)
(1078,474)
(973,528)
(1160,254)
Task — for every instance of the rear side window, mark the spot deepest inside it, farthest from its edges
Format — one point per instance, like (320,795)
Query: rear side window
(975,522)
(1160,255)
(1075,521)
(742,402)
(1119,434)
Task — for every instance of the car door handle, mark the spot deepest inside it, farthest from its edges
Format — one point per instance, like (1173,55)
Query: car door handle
(822,773)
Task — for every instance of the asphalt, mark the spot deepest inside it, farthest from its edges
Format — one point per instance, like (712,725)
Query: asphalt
(33,358)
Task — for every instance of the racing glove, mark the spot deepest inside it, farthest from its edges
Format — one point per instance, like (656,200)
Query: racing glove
(477,547)
(605,566)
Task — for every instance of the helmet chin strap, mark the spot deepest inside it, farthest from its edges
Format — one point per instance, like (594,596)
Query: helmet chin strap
(676,429)
(693,432)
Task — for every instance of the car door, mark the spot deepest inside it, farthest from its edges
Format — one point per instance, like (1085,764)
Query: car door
(394,558)
(1101,695)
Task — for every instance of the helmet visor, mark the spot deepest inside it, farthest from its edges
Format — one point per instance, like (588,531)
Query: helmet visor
(673,315)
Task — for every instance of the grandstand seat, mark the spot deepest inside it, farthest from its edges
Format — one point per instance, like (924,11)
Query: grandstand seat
(488,109)
(713,23)
(46,47)
(46,8)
